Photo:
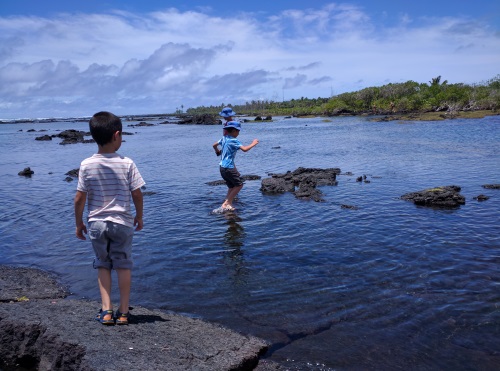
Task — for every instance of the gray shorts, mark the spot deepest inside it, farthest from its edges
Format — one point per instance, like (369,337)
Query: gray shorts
(231,176)
(112,245)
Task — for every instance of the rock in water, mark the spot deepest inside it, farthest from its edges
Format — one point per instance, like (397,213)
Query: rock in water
(443,197)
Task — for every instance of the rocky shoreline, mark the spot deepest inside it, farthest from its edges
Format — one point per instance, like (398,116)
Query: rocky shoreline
(41,329)
(213,119)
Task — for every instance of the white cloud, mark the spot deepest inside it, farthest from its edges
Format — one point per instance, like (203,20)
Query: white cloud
(75,64)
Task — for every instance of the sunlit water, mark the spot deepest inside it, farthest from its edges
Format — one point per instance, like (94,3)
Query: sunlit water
(387,286)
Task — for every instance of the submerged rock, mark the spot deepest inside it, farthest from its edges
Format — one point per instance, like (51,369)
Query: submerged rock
(302,182)
(491,186)
(445,197)
(481,197)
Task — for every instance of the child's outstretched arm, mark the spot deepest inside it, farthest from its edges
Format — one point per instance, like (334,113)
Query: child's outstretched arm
(216,148)
(80,199)
(250,146)
(139,207)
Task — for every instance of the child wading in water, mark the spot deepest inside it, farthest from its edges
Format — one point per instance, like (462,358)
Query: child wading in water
(108,181)
(228,171)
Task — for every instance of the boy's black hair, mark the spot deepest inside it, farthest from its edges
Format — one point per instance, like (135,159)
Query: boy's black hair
(231,130)
(103,125)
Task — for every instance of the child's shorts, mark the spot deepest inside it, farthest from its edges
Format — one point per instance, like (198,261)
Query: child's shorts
(112,244)
(231,176)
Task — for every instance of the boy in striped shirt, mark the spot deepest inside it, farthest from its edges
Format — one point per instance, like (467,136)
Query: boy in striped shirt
(107,181)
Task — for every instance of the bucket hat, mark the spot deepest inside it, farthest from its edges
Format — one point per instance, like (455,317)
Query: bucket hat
(233,124)
(227,112)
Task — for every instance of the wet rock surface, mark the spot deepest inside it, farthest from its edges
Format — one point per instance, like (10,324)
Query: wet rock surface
(302,182)
(443,197)
(40,330)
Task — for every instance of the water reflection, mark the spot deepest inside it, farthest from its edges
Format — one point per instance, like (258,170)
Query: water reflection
(233,255)
(235,234)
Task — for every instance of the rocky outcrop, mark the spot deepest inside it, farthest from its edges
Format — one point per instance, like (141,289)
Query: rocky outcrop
(72,136)
(40,330)
(204,119)
(302,182)
(443,197)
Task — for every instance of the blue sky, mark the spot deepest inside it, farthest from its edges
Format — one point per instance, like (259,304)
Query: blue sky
(73,58)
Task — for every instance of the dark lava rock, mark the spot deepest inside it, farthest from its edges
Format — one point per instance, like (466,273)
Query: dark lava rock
(142,123)
(73,173)
(491,186)
(40,330)
(204,119)
(445,197)
(72,136)
(26,172)
(481,198)
(223,182)
(302,182)
(350,207)
(251,177)
(44,137)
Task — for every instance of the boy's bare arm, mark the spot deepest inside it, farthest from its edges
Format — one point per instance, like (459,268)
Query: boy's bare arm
(216,148)
(139,208)
(250,146)
(80,199)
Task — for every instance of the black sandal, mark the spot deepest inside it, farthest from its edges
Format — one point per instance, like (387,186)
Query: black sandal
(103,313)
(121,318)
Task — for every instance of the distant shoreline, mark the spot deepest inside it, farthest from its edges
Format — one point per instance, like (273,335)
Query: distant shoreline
(408,116)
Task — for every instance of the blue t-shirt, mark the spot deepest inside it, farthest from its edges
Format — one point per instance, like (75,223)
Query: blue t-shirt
(229,147)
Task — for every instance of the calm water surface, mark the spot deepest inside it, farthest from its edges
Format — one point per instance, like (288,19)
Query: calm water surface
(387,286)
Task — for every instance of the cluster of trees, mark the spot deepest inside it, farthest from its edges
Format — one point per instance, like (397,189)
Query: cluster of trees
(404,97)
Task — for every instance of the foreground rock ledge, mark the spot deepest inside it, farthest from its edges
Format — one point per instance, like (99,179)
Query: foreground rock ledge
(53,333)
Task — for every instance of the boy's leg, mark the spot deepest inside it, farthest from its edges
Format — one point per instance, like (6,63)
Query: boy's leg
(104,280)
(124,283)
(233,192)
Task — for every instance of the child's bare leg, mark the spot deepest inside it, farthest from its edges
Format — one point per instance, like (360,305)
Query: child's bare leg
(124,283)
(104,280)
(233,192)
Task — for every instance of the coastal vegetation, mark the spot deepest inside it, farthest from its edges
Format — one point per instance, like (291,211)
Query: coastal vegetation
(400,98)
